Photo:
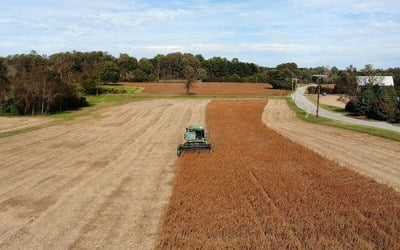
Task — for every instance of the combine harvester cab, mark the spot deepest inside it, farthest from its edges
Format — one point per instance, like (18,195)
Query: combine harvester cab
(195,141)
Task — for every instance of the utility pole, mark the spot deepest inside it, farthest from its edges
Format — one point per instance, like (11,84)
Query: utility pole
(319,91)
(294,85)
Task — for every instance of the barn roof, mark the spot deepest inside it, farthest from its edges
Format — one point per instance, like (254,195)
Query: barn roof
(375,80)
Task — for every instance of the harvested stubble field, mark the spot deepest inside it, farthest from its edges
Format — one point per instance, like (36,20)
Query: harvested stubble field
(259,190)
(259,89)
(369,155)
(101,183)
(8,124)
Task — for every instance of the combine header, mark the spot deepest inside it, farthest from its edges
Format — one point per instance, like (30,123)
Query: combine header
(195,140)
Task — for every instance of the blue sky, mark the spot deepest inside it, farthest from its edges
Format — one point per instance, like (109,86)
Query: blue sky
(308,32)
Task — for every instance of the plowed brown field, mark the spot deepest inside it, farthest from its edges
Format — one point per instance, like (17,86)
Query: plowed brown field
(211,89)
(259,190)
(100,183)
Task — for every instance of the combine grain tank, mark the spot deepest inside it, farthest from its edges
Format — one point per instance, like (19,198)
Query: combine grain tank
(195,140)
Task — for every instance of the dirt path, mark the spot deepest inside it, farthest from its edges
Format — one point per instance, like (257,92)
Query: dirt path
(259,190)
(369,155)
(95,184)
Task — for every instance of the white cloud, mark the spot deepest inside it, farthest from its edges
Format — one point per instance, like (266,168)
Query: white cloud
(139,18)
(367,6)
(217,48)
(386,24)
(274,47)
(7,44)
(74,30)
(267,32)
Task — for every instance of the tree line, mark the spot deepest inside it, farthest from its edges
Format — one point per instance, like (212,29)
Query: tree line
(31,84)
(41,84)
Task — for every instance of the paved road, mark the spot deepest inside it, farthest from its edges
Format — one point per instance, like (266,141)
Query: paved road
(303,103)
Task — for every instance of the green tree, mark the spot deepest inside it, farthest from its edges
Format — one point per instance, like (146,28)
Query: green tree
(217,68)
(35,87)
(201,74)
(290,66)
(4,87)
(146,66)
(346,82)
(108,72)
(366,102)
(126,65)
(159,67)
(174,66)
(193,72)
(3,71)
(396,79)
(387,104)
(281,78)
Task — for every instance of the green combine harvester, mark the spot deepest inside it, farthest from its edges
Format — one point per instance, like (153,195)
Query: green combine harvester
(195,141)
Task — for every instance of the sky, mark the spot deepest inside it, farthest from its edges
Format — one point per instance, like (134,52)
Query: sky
(308,32)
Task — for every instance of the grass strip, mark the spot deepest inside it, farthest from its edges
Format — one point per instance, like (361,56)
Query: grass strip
(391,135)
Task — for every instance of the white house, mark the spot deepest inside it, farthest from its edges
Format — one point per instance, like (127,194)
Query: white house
(375,80)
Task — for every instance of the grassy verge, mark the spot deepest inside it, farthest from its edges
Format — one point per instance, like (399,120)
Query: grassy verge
(111,98)
(23,130)
(123,89)
(8,114)
(391,135)
(96,103)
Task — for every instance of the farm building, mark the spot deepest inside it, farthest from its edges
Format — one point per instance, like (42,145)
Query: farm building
(375,80)
(316,78)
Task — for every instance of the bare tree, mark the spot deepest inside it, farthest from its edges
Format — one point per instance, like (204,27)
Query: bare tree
(192,71)
(190,77)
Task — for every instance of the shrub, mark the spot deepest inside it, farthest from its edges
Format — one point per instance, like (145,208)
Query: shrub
(366,101)
(89,87)
(108,72)
(351,105)
(313,89)
(281,79)
(376,102)
(113,90)
(386,107)
(346,83)
(398,112)
(234,78)
(139,76)
(259,78)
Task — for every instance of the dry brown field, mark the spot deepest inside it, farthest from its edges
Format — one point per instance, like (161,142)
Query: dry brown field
(334,100)
(369,155)
(260,190)
(211,89)
(101,183)
(8,124)
(106,182)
